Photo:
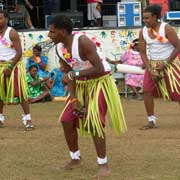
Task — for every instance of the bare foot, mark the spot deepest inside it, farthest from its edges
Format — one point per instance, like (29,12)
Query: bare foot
(103,171)
(72,164)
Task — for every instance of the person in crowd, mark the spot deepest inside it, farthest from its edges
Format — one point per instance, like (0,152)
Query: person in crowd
(20,8)
(161,77)
(37,90)
(12,71)
(39,60)
(132,57)
(57,88)
(94,12)
(92,92)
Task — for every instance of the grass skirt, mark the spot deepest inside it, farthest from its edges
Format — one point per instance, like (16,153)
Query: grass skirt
(168,86)
(15,85)
(88,92)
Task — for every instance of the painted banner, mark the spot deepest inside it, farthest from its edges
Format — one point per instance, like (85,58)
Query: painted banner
(112,42)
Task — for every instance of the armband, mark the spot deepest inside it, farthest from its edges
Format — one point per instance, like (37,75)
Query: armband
(70,75)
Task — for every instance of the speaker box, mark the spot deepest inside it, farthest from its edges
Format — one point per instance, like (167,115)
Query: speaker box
(76,18)
(16,20)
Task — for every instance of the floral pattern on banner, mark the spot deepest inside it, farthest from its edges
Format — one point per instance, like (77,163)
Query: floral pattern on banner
(109,42)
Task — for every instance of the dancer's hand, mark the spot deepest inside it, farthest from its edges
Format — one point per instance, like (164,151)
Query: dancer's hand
(68,77)
(78,110)
(65,79)
(160,66)
(7,72)
(155,74)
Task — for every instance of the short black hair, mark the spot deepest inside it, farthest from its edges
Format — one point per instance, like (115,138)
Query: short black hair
(62,22)
(33,66)
(37,47)
(135,41)
(5,13)
(155,9)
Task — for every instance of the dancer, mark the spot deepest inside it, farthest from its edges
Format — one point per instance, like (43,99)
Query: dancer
(92,92)
(161,77)
(12,71)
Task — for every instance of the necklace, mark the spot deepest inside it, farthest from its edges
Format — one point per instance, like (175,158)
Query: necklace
(158,36)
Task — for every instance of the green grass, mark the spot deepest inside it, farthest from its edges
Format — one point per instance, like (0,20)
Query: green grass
(135,155)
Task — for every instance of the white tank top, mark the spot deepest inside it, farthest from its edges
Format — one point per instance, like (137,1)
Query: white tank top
(158,50)
(76,62)
(7,52)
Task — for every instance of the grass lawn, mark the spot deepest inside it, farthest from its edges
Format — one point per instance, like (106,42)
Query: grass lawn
(136,155)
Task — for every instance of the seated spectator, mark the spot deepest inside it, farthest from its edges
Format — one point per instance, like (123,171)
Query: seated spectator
(39,60)
(132,57)
(37,89)
(56,86)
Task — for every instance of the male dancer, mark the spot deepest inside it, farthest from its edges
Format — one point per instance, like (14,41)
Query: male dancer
(92,92)
(12,71)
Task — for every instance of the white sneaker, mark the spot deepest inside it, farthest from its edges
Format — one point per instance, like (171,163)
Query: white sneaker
(2,118)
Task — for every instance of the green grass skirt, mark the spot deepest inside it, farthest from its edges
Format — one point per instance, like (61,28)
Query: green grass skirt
(88,92)
(169,82)
(7,84)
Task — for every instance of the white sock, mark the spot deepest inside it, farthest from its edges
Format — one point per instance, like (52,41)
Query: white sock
(152,118)
(101,161)
(75,155)
(2,118)
(25,118)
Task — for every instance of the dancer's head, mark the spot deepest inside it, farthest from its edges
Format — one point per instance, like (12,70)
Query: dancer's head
(3,19)
(152,15)
(59,28)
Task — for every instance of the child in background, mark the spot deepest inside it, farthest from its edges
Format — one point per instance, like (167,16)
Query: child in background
(132,57)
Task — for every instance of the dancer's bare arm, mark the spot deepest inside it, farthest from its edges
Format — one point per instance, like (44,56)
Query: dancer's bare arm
(143,51)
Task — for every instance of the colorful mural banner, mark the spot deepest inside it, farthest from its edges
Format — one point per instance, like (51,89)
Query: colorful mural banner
(112,43)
